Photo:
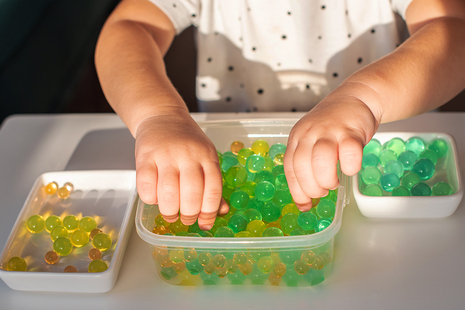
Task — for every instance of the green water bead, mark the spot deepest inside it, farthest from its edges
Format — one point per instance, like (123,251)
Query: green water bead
(79,238)
(265,191)
(273,232)
(205,234)
(269,163)
(256,228)
(255,163)
(410,179)
(395,144)
(323,223)
(236,176)
(250,176)
(277,148)
(415,145)
(373,190)
(389,181)
(87,224)
(229,153)
(35,224)
(395,167)
(249,188)
(101,241)
(298,232)
(289,257)
(442,189)
(374,147)
(438,145)
(265,264)
(289,223)
(194,267)
(224,232)
(421,189)
(370,160)
(424,168)
(254,203)
(51,222)
(290,208)
(228,162)
(431,155)
(264,176)
(386,156)
(57,232)
(16,263)
(307,221)
(277,170)
(194,228)
(220,157)
(62,246)
(407,159)
(244,234)
(332,195)
(227,191)
(238,222)
(400,191)
(326,208)
(239,199)
(252,214)
(71,222)
(97,265)
(270,212)
(243,155)
(219,222)
(280,182)
(282,197)
(371,175)
(182,233)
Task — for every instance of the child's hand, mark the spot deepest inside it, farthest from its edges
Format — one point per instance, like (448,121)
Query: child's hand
(336,129)
(177,167)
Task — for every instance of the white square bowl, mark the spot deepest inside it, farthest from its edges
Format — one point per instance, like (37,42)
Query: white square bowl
(416,206)
(108,195)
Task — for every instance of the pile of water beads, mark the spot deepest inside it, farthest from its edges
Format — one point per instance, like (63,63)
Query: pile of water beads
(404,168)
(66,233)
(255,187)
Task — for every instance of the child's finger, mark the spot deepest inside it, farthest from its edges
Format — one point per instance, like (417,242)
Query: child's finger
(350,155)
(224,207)
(302,201)
(324,163)
(168,193)
(212,195)
(191,193)
(146,181)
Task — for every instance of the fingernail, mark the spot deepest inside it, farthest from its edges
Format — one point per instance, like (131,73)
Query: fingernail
(206,227)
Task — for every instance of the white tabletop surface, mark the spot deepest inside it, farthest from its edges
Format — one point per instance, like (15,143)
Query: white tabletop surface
(378,264)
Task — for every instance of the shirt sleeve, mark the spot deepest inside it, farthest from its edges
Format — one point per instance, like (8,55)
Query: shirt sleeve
(400,6)
(182,13)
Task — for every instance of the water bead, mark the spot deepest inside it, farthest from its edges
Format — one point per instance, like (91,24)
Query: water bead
(250,176)
(220,157)
(255,163)
(396,144)
(219,260)
(442,189)
(251,215)
(289,223)
(407,159)
(389,181)
(35,224)
(395,167)
(179,267)
(277,170)
(166,262)
(270,212)
(87,224)
(176,255)
(94,232)
(260,147)
(431,155)
(204,258)
(63,192)
(249,188)
(374,147)
(421,189)
(224,232)
(239,199)
(323,223)
(277,148)
(71,222)
(307,221)
(282,197)
(308,257)
(57,232)
(290,208)
(237,223)
(386,156)
(197,235)
(272,232)
(280,182)
(161,230)
(326,208)
(254,203)
(256,228)
(51,222)
(16,263)
(318,264)
(400,191)
(265,264)
(95,254)
(243,155)
(370,160)
(205,234)
(301,267)
(274,224)
(279,159)
(240,258)
(264,176)
(194,267)
(415,145)
(70,268)
(102,241)
(182,233)
(97,265)
(410,179)
(51,188)
(424,168)
(227,191)
(236,176)
(298,232)
(264,191)
(332,195)
(236,146)
(51,257)
(244,234)
(438,145)
(79,238)
(228,162)
(62,246)
(219,222)
(371,175)
(229,153)
(326,258)
(177,226)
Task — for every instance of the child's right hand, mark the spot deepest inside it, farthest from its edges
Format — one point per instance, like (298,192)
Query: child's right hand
(177,167)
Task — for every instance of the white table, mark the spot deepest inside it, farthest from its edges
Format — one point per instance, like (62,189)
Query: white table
(378,264)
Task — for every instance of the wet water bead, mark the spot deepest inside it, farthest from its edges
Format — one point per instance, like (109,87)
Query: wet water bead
(194,235)
(370,160)
(371,175)
(182,233)
(395,144)
(265,191)
(51,257)
(87,224)
(249,188)
(273,232)
(279,269)
(63,192)
(209,269)
(254,203)
(374,147)
(277,148)
(421,189)
(277,170)
(205,234)
(288,257)
(70,268)
(289,223)
(373,190)
(307,221)
(176,255)
(256,228)
(251,215)
(282,197)
(260,147)
(239,199)
(389,181)
(228,162)
(244,234)
(301,267)
(323,223)
(395,167)
(415,145)
(177,226)
(236,146)
(270,212)
(386,156)
(102,241)
(298,232)
(227,191)
(35,224)
(230,265)
(97,265)
(255,163)
(326,208)
(332,195)
(224,232)
(318,264)
(236,176)
(424,168)
(219,222)
(439,146)
(180,267)
(160,221)
(240,258)
(220,157)
(204,258)
(290,208)
(51,222)
(190,255)
(57,232)
(280,182)
(246,268)
(16,263)
(51,188)
(410,179)
(308,257)
(400,191)
(95,254)
(194,267)
(407,159)
(243,155)
(166,261)
(442,189)
(219,260)
(79,238)
(269,164)
(94,232)
(71,222)
(279,159)
(237,223)
(263,176)
(229,153)
(62,246)
(431,155)
(265,264)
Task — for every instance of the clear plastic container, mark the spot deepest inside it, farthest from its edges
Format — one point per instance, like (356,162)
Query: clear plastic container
(180,260)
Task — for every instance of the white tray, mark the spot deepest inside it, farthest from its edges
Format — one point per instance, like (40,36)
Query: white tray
(109,195)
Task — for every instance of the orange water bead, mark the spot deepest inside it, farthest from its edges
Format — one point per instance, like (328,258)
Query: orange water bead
(276,224)
(301,267)
(70,268)
(236,146)
(221,272)
(161,230)
(308,257)
(274,279)
(160,221)
(63,192)
(240,259)
(279,269)
(177,226)
(159,253)
(94,232)
(95,254)
(51,257)
(247,268)
(166,261)
(51,188)
(209,269)
(179,267)
(231,266)
(318,264)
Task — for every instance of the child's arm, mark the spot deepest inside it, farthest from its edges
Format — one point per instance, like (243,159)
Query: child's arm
(425,72)
(177,165)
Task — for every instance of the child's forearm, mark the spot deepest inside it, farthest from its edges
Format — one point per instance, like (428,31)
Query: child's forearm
(129,62)
(423,73)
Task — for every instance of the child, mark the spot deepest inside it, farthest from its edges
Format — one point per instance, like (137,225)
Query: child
(274,55)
